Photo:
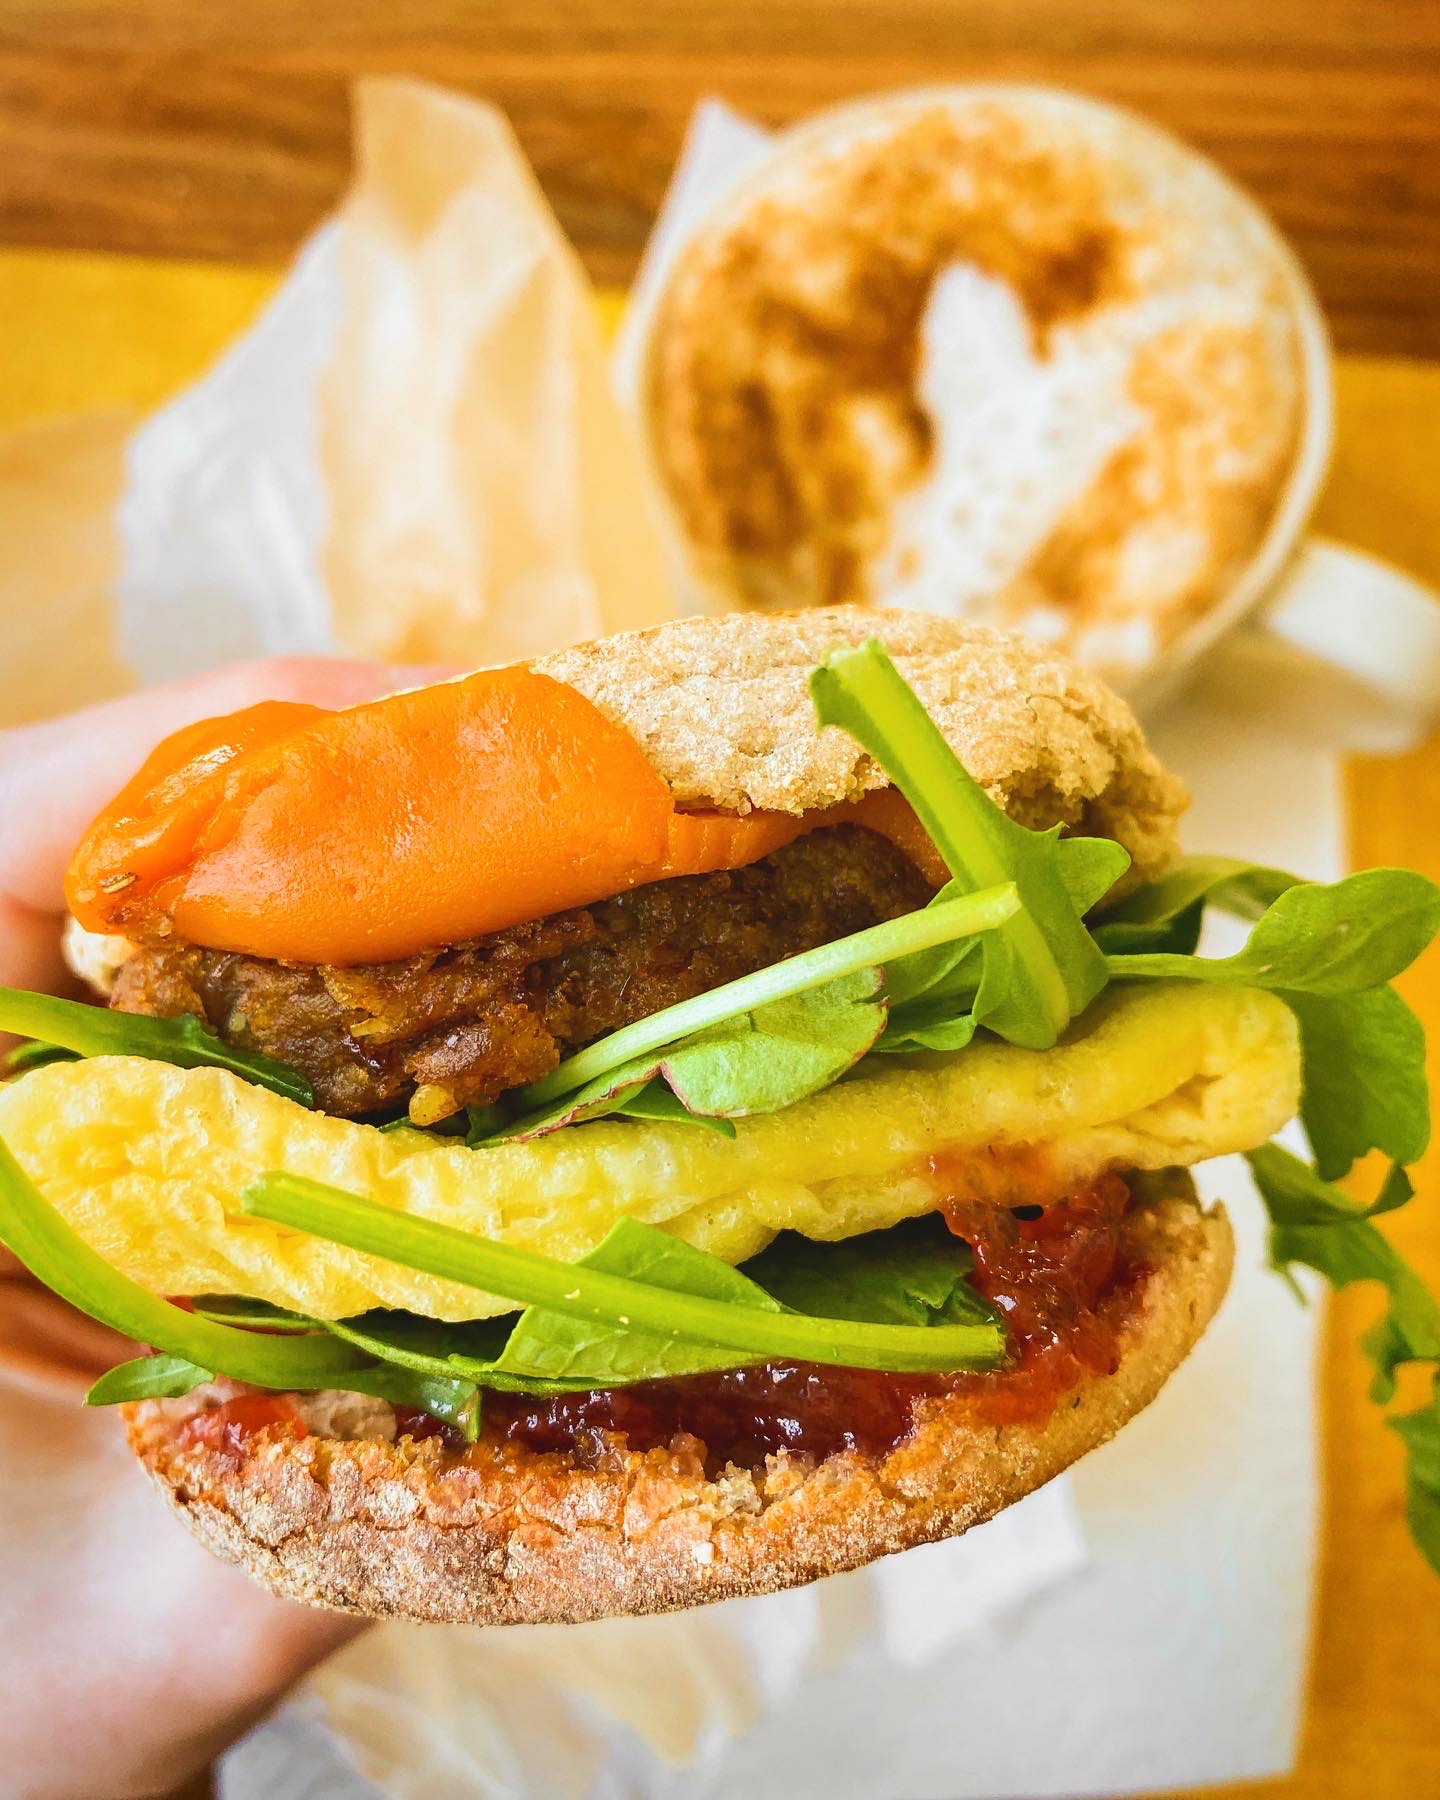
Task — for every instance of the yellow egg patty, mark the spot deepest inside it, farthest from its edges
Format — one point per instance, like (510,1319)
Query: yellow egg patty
(145,1161)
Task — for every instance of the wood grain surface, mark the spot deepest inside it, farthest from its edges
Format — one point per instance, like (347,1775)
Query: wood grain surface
(179,128)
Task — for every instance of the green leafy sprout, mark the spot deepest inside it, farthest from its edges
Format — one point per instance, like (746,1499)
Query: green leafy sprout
(83,1030)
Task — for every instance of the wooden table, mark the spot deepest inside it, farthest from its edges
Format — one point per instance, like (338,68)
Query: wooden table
(178,128)
(156,126)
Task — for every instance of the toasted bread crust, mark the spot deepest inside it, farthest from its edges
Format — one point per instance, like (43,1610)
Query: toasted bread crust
(508,1536)
(721,706)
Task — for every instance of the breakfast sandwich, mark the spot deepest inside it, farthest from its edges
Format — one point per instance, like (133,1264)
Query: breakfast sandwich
(675,1119)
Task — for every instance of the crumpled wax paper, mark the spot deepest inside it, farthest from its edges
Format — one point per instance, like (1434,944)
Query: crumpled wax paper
(415,453)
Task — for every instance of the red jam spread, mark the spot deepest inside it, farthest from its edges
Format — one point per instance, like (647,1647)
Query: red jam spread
(1051,1263)
(412,1423)
(741,1415)
(230,1426)
(1047,1265)
(1047,1271)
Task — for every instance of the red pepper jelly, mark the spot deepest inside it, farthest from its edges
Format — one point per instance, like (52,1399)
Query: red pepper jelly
(230,1426)
(1047,1269)
(1048,1263)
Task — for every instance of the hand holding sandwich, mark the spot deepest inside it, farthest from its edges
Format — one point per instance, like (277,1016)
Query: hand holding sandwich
(144,1656)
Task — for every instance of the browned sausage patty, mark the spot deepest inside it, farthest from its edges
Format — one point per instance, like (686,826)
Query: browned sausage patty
(474,1020)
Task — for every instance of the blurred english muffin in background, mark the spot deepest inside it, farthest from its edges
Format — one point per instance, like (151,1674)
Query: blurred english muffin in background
(1001,353)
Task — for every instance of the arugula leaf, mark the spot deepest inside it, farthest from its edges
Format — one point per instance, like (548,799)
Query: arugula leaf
(1295,1195)
(463,1352)
(1089,868)
(451,1398)
(257,1315)
(911,1274)
(762,1061)
(634,1091)
(1396,1191)
(915,1273)
(433,1386)
(1166,912)
(1041,967)
(588,1353)
(932,993)
(476,1348)
(445,1397)
(430,1346)
(944,968)
(657,1102)
(1177,934)
(147,1378)
(97,1031)
(542,1351)
(1314,1224)
(603,1298)
(1326,939)
(1364,1077)
(927,1024)
(849,956)
(1420,1433)
(754,1062)
(34,1055)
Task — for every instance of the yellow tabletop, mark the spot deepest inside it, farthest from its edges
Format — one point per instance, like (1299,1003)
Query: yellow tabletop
(85,333)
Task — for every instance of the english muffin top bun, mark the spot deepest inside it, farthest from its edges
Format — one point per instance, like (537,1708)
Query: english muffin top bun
(647,1126)
(721,707)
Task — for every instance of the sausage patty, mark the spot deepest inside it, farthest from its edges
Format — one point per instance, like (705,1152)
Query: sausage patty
(467,1022)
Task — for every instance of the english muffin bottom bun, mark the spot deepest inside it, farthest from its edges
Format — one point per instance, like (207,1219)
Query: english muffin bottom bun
(985,351)
(386,1524)
(666,1122)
